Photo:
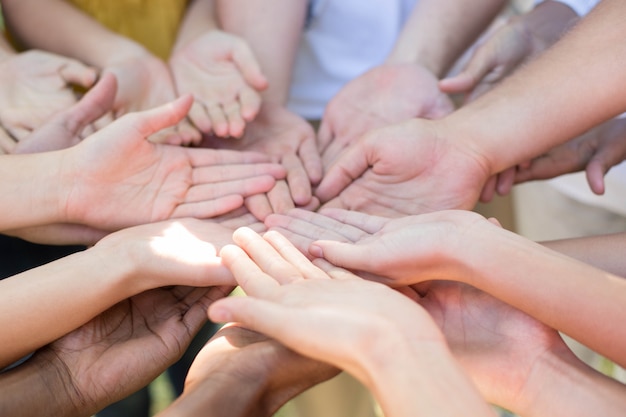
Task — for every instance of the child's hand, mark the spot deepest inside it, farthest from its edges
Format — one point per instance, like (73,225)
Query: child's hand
(35,85)
(144,82)
(222,73)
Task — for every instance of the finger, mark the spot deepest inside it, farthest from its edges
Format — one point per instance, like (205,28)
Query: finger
(243,187)
(104,121)
(7,143)
(220,173)
(311,160)
(346,255)
(360,221)
(95,105)
(349,166)
(477,67)
(199,117)
(236,124)
(333,271)
(271,260)
(75,72)
(298,181)
(207,209)
(252,280)
(188,133)
(505,182)
(244,59)
(324,135)
(280,198)
(314,226)
(489,189)
(250,102)
(293,256)
(151,121)
(203,157)
(259,205)
(594,173)
(218,119)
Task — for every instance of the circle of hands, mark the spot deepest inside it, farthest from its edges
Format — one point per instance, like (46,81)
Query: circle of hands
(312,214)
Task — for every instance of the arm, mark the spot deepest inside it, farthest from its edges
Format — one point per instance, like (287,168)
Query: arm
(109,357)
(36,307)
(323,302)
(243,373)
(59,27)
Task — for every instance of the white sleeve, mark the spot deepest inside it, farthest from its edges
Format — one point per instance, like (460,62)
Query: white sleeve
(581,7)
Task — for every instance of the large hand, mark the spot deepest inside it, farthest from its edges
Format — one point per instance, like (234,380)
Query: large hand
(145,82)
(385,95)
(35,86)
(220,70)
(493,60)
(132,181)
(287,137)
(127,346)
(243,373)
(500,347)
(404,169)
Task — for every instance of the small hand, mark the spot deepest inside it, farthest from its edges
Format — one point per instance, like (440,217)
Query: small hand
(37,85)
(137,75)
(220,70)
(288,138)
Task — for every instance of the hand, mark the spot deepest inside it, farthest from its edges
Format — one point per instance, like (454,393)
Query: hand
(145,82)
(402,170)
(66,128)
(320,303)
(117,167)
(401,92)
(283,135)
(127,346)
(350,323)
(395,251)
(35,86)
(220,70)
(595,151)
(175,252)
(500,347)
(493,60)
(243,373)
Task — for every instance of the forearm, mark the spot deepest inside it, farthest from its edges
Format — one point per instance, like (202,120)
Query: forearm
(199,18)
(563,385)
(32,189)
(36,388)
(603,252)
(538,107)
(568,295)
(43,304)
(417,381)
(273,40)
(439,31)
(57,26)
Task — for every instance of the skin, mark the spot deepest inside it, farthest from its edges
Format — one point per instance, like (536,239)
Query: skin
(243,373)
(109,357)
(331,304)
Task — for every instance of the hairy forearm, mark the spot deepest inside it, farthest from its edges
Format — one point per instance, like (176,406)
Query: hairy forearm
(57,26)
(273,40)
(538,107)
(36,307)
(439,31)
